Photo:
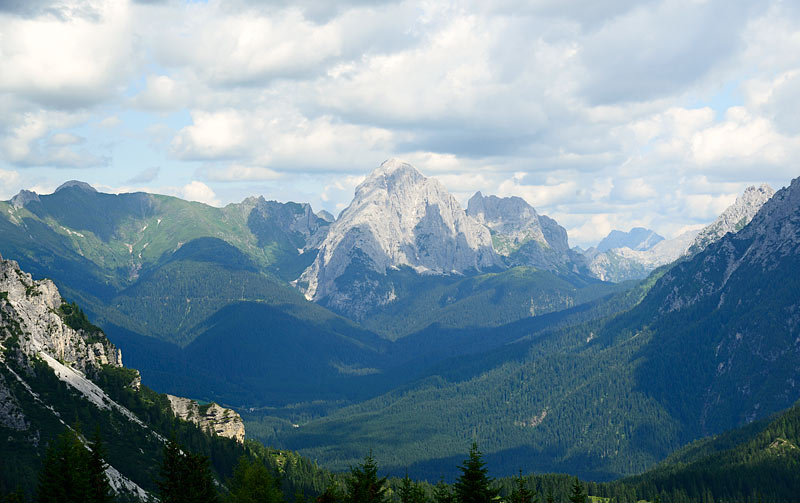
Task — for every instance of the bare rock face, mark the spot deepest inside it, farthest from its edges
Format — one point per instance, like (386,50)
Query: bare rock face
(734,218)
(212,418)
(30,310)
(522,236)
(397,218)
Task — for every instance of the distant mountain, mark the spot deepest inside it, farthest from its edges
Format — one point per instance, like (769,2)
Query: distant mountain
(734,218)
(398,218)
(637,239)
(621,263)
(523,237)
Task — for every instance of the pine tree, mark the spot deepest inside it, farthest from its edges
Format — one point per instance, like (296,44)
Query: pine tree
(520,493)
(474,485)
(442,493)
(550,498)
(185,478)
(410,492)
(578,495)
(171,474)
(363,484)
(63,478)
(332,494)
(252,483)
(99,487)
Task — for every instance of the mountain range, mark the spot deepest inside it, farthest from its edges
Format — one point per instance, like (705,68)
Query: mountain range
(411,314)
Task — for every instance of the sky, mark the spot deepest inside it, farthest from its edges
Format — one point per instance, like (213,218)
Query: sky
(603,115)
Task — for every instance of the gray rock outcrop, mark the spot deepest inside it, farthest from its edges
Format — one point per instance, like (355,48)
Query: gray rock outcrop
(30,310)
(212,418)
(522,236)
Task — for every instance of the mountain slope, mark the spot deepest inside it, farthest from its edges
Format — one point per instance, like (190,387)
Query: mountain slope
(757,462)
(734,218)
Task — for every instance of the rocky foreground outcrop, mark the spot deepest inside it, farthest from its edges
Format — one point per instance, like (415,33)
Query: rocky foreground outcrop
(212,418)
(32,312)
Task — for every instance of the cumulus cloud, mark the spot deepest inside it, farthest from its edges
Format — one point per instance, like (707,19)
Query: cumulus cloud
(200,192)
(9,183)
(70,60)
(601,114)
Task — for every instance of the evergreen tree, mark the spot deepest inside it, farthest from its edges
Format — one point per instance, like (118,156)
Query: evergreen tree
(99,487)
(253,483)
(200,482)
(578,495)
(363,484)
(520,493)
(442,493)
(550,498)
(63,478)
(171,474)
(185,478)
(410,492)
(474,484)
(332,494)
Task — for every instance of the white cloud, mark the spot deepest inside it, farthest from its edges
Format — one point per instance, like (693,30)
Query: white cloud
(111,121)
(615,113)
(161,94)
(9,184)
(200,192)
(68,60)
(32,139)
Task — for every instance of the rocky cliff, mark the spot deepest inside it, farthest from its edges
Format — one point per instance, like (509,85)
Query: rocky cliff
(523,237)
(35,312)
(212,418)
(734,218)
(398,218)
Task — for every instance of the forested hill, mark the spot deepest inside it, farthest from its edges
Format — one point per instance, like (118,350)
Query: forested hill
(711,347)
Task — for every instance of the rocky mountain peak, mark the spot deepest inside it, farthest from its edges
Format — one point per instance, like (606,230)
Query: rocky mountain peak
(394,170)
(734,218)
(511,220)
(23,198)
(522,236)
(397,218)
